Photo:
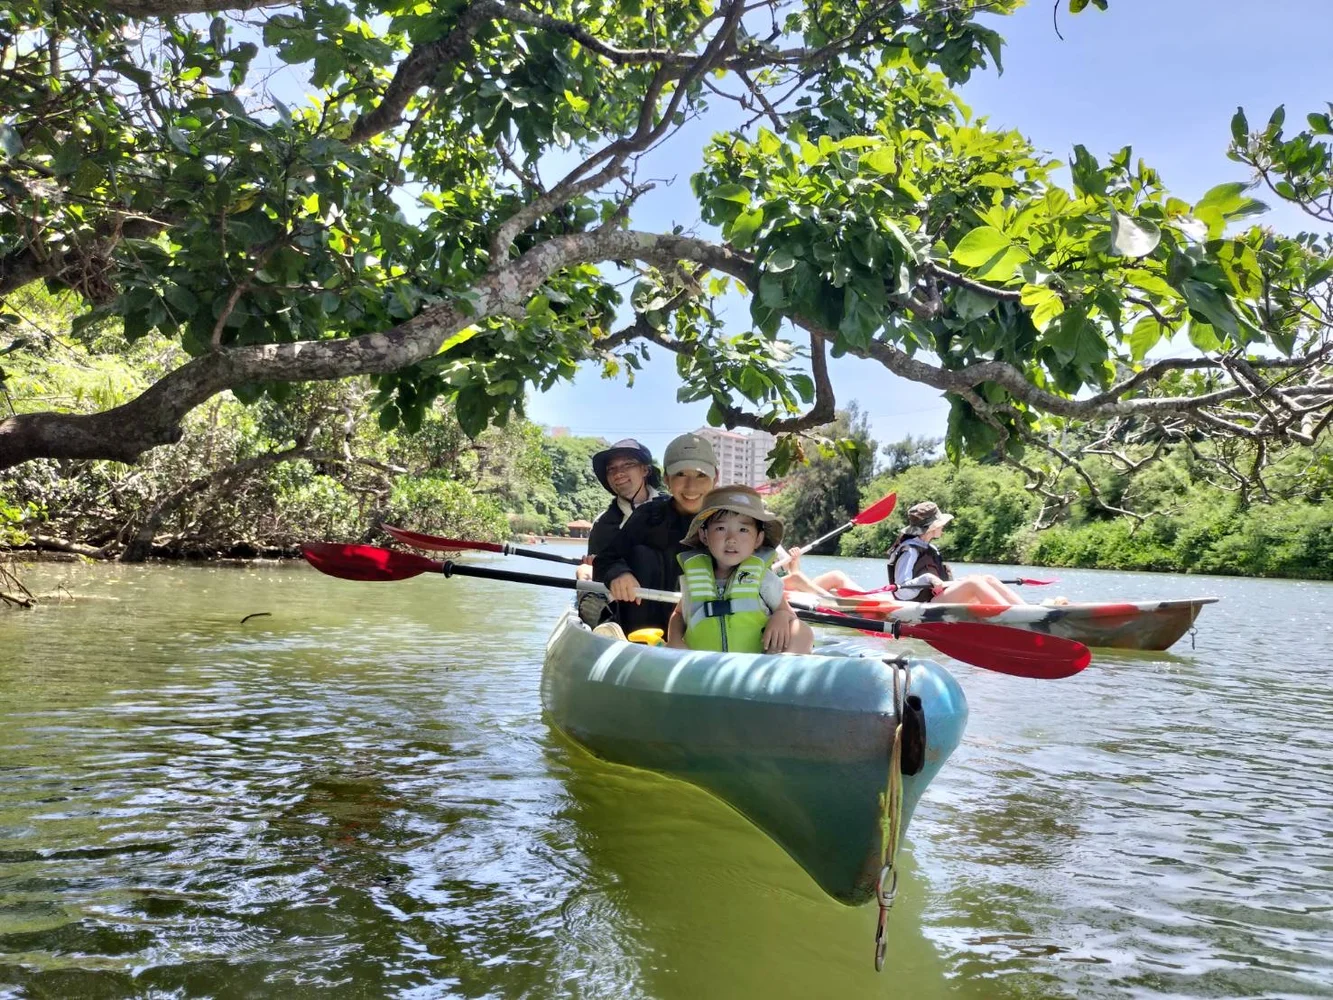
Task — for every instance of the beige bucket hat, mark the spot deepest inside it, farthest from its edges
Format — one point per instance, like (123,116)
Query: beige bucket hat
(743,500)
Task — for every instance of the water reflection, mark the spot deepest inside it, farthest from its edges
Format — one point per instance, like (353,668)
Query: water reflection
(357,796)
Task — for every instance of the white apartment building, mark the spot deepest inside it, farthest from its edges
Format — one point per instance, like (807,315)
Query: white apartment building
(742,459)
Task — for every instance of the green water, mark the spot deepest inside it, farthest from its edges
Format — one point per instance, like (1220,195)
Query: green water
(357,796)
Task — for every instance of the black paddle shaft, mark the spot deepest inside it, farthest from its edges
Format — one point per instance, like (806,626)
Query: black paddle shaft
(511,549)
(849,621)
(449,568)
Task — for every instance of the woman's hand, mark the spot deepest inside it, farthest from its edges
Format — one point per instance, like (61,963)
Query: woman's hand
(936,584)
(623,588)
(778,631)
(794,559)
(583,571)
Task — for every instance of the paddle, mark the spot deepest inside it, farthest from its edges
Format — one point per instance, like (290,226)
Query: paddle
(994,647)
(873,514)
(434,543)
(889,588)
(1046,657)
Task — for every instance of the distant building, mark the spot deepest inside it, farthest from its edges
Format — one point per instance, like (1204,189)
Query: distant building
(742,459)
(558,432)
(578,529)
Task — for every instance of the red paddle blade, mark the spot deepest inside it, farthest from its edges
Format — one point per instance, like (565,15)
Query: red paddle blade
(877,511)
(1029,582)
(1006,650)
(366,562)
(434,543)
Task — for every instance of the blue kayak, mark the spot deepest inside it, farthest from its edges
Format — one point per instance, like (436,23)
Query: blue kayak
(800,745)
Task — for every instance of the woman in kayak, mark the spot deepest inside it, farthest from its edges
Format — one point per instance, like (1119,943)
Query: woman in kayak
(731,600)
(643,553)
(917,571)
(627,472)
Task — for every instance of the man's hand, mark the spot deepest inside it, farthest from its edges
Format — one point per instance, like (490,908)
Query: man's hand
(623,588)
(583,571)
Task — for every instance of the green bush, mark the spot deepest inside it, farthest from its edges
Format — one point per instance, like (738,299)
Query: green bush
(991,509)
(444,507)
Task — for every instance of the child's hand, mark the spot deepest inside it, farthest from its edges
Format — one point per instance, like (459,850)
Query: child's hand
(778,631)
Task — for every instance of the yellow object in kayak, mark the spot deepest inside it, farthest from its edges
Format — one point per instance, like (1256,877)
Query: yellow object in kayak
(647,636)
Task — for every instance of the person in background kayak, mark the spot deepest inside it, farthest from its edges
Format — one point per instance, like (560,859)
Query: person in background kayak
(643,553)
(731,600)
(919,573)
(627,472)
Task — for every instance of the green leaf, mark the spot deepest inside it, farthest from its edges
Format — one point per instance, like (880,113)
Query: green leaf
(730,192)
(1240,127)
(980,246)
(1223,204)
(742,228)
(578,104)
(779,261)
(970,305)
(1045,304)
(1144,337)
(881,161)
(1133,237)
(1203,337)
(1004,266)
(1212,305)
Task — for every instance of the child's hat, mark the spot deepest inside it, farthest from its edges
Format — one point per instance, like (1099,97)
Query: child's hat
(743,500)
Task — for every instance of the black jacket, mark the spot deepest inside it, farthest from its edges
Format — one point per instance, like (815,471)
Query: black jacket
(608,525)
(646,545)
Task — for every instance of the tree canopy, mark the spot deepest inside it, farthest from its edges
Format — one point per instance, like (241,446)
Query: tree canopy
(404,221)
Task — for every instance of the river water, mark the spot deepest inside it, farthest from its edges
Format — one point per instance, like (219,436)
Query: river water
(356,795)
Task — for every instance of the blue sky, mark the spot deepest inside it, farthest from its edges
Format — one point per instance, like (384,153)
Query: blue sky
(1164,76)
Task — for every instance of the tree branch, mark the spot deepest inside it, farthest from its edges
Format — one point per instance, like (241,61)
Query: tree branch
(153,418)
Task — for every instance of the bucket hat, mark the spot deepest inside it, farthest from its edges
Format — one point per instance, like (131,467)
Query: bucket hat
(922,517)
(631,449)
(690,451)
(743,500)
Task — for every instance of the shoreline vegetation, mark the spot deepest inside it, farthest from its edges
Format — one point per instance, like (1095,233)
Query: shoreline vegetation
(253,482)
(255,477)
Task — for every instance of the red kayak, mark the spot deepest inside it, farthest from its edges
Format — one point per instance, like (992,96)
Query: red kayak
(1117,625)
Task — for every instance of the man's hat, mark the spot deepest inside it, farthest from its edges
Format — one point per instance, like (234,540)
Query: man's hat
(690,451)
(743,500)
(630,449)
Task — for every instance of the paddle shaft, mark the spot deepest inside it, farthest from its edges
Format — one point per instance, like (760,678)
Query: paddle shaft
(518,550)
(542,580)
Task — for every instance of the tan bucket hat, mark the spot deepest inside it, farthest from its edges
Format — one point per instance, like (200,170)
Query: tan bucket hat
(743,500)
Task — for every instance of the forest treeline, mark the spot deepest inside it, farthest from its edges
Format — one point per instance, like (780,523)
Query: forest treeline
(255,477)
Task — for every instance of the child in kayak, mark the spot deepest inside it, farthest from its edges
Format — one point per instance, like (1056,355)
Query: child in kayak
(731,600)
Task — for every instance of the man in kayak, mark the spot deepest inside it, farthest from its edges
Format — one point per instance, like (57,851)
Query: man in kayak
(627,472)
(731,600)
(643,553)
(919,573)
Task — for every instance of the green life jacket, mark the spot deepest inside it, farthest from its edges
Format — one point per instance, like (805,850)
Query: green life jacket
(733,621)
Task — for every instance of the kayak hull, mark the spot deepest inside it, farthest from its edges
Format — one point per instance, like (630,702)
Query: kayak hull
(798,744)
(1144,625)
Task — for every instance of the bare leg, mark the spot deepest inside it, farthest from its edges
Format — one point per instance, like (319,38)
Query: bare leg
(835,579)
(977,590)
(802,639)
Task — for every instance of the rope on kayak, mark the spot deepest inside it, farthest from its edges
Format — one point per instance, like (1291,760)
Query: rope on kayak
(891,808)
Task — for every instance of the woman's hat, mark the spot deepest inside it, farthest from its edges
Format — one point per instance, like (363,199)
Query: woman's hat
(690,451)
(922,517)
(630,449)
(743,500)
